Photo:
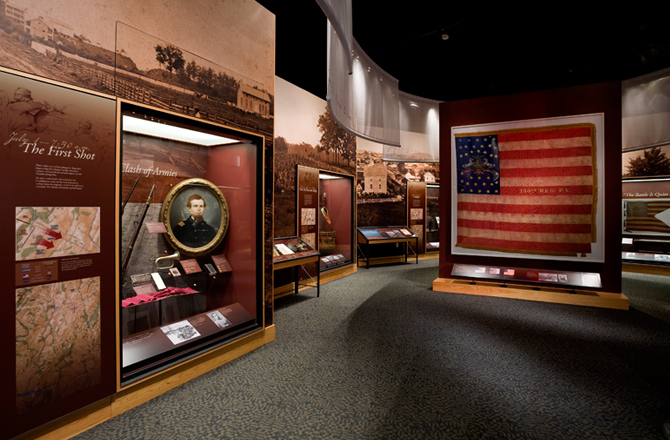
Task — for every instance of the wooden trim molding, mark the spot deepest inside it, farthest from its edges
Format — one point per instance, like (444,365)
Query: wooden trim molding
(528,292)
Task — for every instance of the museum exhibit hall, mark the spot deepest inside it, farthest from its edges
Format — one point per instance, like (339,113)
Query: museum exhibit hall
(241,219)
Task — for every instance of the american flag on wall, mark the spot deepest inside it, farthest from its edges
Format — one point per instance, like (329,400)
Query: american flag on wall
(645,216)
(528,191)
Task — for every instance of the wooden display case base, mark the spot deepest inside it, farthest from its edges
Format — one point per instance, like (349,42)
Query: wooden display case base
(381,260)
(136,394)
(645,268)
(338,272)
(532,293)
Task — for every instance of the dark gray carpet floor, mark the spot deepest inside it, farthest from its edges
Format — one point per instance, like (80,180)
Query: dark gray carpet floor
(381,356)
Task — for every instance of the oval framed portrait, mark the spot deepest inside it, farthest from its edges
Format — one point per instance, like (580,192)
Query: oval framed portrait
(196,216)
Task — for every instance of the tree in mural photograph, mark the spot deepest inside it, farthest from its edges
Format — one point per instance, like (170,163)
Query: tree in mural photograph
(653,162)
(170,56)
(335,140)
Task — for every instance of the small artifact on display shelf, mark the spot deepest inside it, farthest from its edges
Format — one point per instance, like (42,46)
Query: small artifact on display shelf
(141,278)
(282,249)
(211,271)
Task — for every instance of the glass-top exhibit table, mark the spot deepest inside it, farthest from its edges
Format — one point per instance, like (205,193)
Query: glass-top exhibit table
(384,235)
(291,253)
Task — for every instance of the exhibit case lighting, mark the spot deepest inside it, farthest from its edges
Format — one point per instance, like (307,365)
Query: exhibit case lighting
(162,130)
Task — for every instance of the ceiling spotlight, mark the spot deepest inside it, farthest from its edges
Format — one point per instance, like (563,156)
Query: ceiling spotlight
(445,37)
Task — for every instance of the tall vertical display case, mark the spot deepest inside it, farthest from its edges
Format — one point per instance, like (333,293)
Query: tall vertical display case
(432,218)
(416,213)
(646,221)
(191,271)
(335,219)
(325,203)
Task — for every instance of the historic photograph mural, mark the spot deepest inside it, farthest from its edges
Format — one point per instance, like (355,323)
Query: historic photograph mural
(381,186)
(150,54)
(305,134)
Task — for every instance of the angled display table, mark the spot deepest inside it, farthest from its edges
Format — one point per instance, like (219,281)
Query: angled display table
(293,252)
(376,235)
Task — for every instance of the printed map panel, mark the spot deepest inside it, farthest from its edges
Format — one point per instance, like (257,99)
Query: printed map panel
(49,232)
(57,341)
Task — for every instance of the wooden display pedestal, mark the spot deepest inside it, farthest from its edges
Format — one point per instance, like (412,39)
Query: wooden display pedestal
(533,293)
(646,269)
(394,259)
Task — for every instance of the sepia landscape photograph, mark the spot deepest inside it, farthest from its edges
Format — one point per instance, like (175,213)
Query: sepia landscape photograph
(154,60)
(305,134)
(381,186)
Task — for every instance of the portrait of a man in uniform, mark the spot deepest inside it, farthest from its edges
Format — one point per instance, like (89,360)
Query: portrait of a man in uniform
(195,214)
(194,231)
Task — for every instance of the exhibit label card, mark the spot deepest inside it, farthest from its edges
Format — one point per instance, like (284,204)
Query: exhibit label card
(190,266)
(156,227)
(222,263)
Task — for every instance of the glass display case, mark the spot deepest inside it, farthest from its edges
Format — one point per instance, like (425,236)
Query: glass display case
(646,221)
(335,213)
(432,218)
(191,265)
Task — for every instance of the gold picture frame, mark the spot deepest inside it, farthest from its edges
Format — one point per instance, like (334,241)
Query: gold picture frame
(196,217)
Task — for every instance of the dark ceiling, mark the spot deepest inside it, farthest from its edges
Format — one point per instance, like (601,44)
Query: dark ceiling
(489,50)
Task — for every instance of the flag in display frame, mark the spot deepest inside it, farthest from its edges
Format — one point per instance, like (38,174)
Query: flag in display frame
(529,189)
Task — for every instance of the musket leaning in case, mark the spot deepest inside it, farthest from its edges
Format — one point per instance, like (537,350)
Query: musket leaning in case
(125,202)
(126,257)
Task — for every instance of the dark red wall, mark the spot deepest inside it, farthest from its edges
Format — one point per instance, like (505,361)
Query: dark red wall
(599,98)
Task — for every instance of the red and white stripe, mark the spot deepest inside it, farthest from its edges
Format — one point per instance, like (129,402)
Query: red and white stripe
(649,223)
(547,195)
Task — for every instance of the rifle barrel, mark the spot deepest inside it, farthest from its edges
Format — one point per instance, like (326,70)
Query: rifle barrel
(126,257)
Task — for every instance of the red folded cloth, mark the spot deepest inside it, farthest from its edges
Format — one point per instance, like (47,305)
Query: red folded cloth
(149,297)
